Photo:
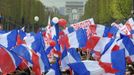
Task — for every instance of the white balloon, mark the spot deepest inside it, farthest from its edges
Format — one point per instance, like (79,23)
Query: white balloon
(55,20)
(36,18)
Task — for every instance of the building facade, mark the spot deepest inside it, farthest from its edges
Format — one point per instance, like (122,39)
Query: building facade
(74,10)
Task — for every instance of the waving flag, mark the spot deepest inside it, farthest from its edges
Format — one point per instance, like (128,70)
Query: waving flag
(20,37)
(129,46)
(55,70)
(122,44)
(9,39)
(69,56)
(73,55)
(87,68)
(34,41)
(68,30)
(64,60)
(51,72)
(56,67)
(63,40)
(102,30)
(113,31)
(114,64)
(22,34)
(29,39)
(55,36)
(118,61)
(97,43)
(77,39)
(38,44)
(9,62)
(23,51)
(100,46)
(44,62)
(91,42)
(30,56)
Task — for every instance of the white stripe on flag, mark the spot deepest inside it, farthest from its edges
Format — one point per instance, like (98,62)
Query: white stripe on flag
(93,67)
(73,40)
(51,72)
(100,30)
(41,63)
(107,56)
(101,44)
(71,59)
(4,40)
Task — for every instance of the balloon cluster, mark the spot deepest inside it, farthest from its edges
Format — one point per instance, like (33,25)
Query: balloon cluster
(61,22)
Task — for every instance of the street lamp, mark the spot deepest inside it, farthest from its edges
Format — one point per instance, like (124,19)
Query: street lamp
(36,19)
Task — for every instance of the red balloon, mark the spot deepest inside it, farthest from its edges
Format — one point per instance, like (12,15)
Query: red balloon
(62,22)
(52,43)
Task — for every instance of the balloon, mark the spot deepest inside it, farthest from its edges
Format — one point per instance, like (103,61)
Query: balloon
(52,43)
(36,18)
(55,20)
(62,22)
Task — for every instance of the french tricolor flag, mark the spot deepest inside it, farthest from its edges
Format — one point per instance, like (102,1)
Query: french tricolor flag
(28,54)
(97,43)
(100,68)
(119,61)
(23,51)
(64,60)
(68,30)
(114,59)
(55,36)
(129,47)
(51,72)
(9,62)
(77,39)
(123,44)
(43,61)
(87,67)
(69,56)
(29,39)
(102,30)
(113,31)
(101,44)
(55,70)
(34,41)
(38,43)
(9,39)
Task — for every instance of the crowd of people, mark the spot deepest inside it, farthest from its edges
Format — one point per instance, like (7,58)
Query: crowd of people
(84,56)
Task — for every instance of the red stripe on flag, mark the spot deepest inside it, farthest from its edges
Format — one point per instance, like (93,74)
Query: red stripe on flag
(36,65)
(107,67)
(115,48)
(19,40)
(6,63)
(24,64)
(92,41)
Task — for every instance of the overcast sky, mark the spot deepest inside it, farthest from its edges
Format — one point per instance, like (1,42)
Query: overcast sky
(57,3)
